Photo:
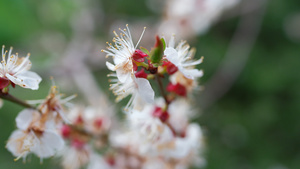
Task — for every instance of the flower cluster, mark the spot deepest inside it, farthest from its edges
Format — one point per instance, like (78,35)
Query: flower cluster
(38,128)
(157,132)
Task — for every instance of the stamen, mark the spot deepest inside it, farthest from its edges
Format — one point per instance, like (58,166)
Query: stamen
(140,38)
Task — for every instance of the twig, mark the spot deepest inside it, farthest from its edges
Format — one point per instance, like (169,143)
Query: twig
(161,88)
(7,96)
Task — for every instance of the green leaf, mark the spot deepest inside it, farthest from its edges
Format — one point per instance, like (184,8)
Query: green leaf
(163,42)
(157,52)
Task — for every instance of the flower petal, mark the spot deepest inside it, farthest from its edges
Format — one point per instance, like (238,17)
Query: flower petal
(145,90)
(49,143)
(24,119)
(172,55)
(26,79)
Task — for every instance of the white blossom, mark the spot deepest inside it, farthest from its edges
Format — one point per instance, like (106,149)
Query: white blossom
(182,57)
(16,70)
(139,88)
(187,18)
(122,53)
(179,115)
(75,158)
(34,136)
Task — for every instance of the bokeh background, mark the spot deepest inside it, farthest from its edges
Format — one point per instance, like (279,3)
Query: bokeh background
(250,106)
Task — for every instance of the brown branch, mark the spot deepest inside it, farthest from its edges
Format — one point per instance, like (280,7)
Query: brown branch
(7,96)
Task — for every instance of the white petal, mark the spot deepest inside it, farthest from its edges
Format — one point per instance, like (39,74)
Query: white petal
(123,76)
(26,79)
(172,55)
(97,162)
(14,144)
(49,143)
(110,66)
(191,73)
(145,90)
(24,119)
(172,42)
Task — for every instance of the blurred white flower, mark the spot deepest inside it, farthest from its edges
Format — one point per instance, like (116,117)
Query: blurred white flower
(180,115)
(53,105)
(93,120)
(15,70)
(182,57)
(34,136)
(190,17)
(189,84)
(139,88)
(97,162)
(75,157)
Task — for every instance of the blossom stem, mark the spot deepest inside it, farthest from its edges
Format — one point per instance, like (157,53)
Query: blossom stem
(161,87)
(13,99)
(143,64)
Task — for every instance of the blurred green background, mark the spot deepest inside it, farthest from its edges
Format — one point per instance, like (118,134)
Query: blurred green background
(255,125)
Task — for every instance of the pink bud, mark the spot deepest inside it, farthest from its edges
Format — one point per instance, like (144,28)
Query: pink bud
(77,143)
(171,68)
(139,56)
(162,115)
(177,88)
(65,131)
(111,160)
(3,83)
(141,74)
(98,123)
(79,120)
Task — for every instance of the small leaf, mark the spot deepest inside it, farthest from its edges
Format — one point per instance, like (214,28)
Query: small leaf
(157,52)
(163,42)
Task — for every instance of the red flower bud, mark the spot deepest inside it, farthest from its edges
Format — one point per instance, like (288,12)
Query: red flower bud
(65,131)
(177,88)
(77,143)
(162,115)
(141,74)
(171,68)
(3,83)
(139,56)
(98,123)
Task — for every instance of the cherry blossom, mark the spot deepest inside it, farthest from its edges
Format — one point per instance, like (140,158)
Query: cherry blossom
(181,57)
(15,70)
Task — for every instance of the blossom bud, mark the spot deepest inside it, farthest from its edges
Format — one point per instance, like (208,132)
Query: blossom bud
(141,74)
(171,68)
(139,56)
(98,123)
(177,88)
(65,131)
(162,115)
(3,83)
(77,143)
